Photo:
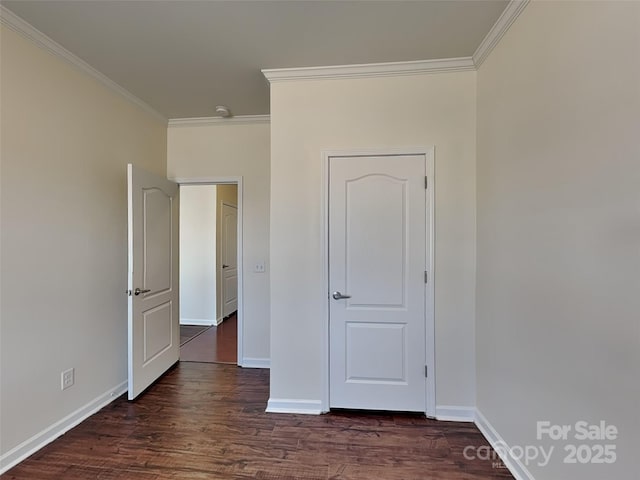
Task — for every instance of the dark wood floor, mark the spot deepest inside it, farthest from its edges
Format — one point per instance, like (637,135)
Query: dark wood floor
(215,345)
(207,421)
(187,332)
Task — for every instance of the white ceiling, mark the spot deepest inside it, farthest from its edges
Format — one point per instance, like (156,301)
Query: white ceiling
(183,57)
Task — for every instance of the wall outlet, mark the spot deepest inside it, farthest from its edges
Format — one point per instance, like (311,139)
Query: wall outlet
(67,378)
(259,267)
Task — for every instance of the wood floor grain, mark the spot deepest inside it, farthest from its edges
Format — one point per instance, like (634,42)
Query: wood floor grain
(207,421)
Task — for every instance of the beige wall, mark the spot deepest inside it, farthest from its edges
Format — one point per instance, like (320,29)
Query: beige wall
(198,246)
(222,150)
(310,116)
(226,194)
(558,329)
(66,141)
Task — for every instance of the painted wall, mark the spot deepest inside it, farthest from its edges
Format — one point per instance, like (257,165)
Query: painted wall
(310,116)
(198,243)
(220,150)
(226,194)
(66,141)
(558,329)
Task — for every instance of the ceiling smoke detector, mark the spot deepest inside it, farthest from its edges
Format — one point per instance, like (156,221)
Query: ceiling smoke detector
(223,111)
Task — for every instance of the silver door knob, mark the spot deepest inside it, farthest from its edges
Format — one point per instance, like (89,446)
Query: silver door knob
(138,291)
(339,296)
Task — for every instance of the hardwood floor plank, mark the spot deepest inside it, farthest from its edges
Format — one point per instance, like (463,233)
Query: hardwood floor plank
(214,345)
(208,421)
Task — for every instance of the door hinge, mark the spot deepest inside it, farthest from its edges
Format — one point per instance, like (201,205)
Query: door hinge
(426,182)
(426,277)
(426,371)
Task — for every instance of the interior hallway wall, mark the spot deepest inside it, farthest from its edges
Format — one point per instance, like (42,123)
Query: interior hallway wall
(558,326)
(66,142)
(309,116)
(198,246)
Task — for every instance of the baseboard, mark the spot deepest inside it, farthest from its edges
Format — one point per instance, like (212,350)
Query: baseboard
(48,435)
(255,363)
(204,322)
(286,405)
(515,466)
(454,413)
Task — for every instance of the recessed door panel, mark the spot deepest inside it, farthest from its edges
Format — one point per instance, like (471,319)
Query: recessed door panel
(376,353)
(157,240)
(158,331)
(376,218)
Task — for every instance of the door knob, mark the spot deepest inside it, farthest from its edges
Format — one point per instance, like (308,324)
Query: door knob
(339,296)
(138,291)
(225,266)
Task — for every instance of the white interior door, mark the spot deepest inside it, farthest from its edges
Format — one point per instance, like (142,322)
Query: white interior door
(229,247)
(154,330)
(377,263)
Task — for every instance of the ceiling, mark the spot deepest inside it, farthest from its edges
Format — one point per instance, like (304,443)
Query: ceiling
(183,57)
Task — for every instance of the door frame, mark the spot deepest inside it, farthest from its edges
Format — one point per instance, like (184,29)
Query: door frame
(230,180)
(430,360)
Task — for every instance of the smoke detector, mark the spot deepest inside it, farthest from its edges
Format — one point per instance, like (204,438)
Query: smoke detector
(223,111)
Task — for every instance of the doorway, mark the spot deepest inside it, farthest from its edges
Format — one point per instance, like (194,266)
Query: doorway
(210,274)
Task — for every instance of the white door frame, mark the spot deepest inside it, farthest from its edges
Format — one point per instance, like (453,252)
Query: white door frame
(233,180)
(428,152)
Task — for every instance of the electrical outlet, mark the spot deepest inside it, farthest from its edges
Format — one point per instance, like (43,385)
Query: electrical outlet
(259,267)
(67,378)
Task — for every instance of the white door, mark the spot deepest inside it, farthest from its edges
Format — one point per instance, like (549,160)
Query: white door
(229,247)
(154,331)
(377,263)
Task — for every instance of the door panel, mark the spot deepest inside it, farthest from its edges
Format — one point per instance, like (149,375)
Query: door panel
(158,335)
(156,212)
(376,353)
(377,256)
(153,322)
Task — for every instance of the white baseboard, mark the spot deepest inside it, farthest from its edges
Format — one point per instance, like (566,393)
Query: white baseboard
(515,466)
(49,434)
(454,413)
(286,405)
(204,322)
(255,363)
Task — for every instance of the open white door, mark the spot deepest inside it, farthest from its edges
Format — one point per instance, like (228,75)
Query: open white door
(154,323)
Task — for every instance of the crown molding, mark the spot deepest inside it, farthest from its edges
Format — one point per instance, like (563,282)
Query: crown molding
(202,121)
(460,64)
(506,19)
(28,31)
(370,70)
